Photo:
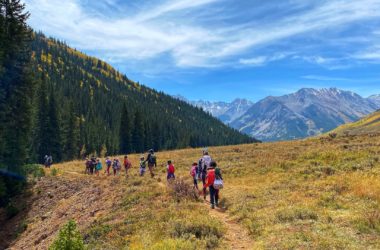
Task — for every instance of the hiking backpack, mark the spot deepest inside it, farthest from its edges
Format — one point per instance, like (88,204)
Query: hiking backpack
(152,159)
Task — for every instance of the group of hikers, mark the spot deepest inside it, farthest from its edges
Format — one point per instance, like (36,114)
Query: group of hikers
(205,170)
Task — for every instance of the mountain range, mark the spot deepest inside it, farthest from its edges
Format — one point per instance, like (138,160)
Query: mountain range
(304,113)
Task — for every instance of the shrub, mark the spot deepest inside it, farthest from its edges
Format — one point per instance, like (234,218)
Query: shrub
(180,190)
(333,135)
(68,238)
(206,229)
(54,171)
(290,215)
(174,244)
(34,170)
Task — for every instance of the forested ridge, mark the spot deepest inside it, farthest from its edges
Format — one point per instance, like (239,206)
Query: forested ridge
(101,111)
(56,100)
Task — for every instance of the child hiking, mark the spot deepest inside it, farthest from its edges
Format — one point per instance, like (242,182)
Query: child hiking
(142,166)
(108,164)
(116,166)
(170,170)
(194,174)
(127,165)
(214,193)
(98,167)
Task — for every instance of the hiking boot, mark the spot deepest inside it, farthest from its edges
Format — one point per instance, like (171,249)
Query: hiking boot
(212,206)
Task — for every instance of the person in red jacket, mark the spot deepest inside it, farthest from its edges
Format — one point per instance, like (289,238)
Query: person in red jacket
(127,165)
(171,171)
(209,184)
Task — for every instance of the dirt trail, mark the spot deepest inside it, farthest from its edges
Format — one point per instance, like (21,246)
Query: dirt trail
(236,236)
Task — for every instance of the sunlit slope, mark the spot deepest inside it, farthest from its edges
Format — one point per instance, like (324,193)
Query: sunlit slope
(320,193)
(368,125)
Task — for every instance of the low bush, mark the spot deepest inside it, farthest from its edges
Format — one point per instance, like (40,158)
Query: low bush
(290,215)
(204,228)
(181,190)
(174,244)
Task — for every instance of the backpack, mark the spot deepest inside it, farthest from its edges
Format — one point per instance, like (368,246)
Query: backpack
(171,169)
(152,159)
(193,171)
(218,184)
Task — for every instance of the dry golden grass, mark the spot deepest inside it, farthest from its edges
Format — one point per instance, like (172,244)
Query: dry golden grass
(319,193)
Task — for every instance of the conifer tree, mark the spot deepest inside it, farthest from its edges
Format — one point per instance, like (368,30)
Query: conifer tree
(54,130)
(138,133)
(125,131)
(42,139)
(16,92)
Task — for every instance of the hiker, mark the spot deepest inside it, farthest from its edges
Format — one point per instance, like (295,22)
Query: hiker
(92,164)
(50,161)
(88,163)
(127,165)
(214,195)
(116,166)
(108,164)
(142,166)
(170,170)
(203,165)
(152,161)
(98,167)
(194,174)
(46,161)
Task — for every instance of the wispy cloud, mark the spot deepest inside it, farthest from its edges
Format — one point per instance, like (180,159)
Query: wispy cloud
(166,29)
(261,60)
(325,78)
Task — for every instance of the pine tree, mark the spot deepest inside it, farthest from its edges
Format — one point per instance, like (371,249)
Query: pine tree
(54,130)
(138,133)
(42,126)
(71,134)
(125,131)
(16,91)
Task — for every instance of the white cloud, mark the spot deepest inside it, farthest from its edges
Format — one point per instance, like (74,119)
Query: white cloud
(190,43)
(261,60)
(324,78)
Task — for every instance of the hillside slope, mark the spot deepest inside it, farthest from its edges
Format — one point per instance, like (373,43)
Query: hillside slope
(319,193)
(368,125)
(305,113)
(94,93)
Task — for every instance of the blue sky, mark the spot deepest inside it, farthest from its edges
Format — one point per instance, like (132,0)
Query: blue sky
(224,49)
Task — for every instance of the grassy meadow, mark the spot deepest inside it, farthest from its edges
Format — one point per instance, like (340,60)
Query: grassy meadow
(319,193)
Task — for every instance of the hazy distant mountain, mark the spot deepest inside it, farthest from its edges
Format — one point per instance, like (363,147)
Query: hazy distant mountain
(375,99)
(224,111)
(304,113)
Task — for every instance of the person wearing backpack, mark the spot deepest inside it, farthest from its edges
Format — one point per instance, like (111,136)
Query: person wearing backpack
(115,166)
(194,174)
(152,162)
(50,161)
(108,164)
(142,166)
(170,171)
(46,161)
(214,197)
(87,163)
(127,165)
(92,164)
(98,167)
(204,164)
